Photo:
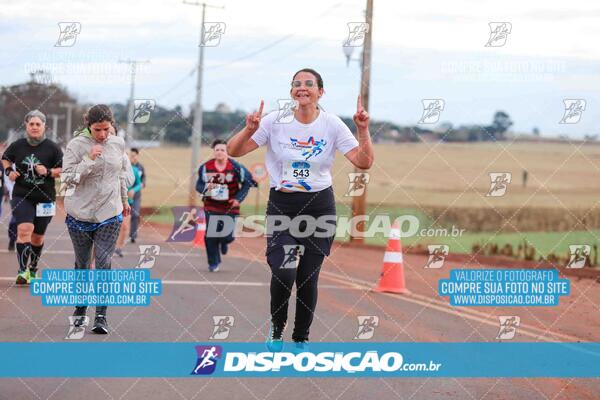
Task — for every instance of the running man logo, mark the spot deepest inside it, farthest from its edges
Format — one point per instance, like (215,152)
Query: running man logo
(366,326)
(574,108)
(68,34)
(579,255)
(358,183)
(211,33)
(432,109)
(499,183)
(508,327)
(309,148)
(437,255)
(285,112)
(207,359)
(357,32)
(148,254)
(291,256)
(142,109)
(223,325)
(185,221)
(77,327)
(498,33)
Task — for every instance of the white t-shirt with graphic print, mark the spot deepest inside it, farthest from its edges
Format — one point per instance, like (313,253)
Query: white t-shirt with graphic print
(300,156)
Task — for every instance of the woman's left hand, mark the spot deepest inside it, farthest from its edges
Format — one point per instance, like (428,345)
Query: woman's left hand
(126,209)
(41,170)
(361,117)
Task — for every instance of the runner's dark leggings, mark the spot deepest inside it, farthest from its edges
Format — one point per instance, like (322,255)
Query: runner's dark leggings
(103,240)
(313,249)
(306,276)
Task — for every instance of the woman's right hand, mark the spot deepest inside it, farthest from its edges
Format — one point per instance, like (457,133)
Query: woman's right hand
(126,209)
(253,119)
(95,151)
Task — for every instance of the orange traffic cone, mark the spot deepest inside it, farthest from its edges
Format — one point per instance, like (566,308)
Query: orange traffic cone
(200,232)
(392,276)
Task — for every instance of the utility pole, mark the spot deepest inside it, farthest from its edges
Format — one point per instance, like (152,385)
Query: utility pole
(133,65)
(359,202)
(69,107)
(55,118)
(197,126)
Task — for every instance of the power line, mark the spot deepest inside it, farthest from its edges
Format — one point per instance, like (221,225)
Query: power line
(272,44)
(246,56)
(254,53)
(179,83)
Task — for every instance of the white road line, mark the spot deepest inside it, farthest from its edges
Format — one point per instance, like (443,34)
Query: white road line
(220,283)
(226,283)
(467,313)
(126,253)
(360,284)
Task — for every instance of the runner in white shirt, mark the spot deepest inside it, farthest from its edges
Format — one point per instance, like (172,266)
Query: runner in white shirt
(300,154)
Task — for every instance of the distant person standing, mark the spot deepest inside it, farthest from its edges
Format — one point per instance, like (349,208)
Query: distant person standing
(32,163)
(224,184)
(12,225)
(136,205)
(133,188)
(525,176)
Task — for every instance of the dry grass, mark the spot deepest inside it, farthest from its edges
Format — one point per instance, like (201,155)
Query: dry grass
(437,175)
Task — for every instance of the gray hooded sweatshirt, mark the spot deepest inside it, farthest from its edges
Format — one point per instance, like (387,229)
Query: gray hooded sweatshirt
(100,184)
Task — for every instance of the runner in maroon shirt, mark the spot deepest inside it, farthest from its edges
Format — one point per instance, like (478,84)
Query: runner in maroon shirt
(224,183)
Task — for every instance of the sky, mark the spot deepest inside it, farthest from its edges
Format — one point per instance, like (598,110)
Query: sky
(421,50)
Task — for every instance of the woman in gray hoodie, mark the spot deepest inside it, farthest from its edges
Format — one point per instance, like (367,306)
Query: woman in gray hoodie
(94,165)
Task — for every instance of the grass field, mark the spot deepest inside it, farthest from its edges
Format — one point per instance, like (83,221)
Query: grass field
(544,242)
(407,178)
(427,174)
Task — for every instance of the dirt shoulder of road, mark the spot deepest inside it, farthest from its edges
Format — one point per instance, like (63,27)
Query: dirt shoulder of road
(576,317)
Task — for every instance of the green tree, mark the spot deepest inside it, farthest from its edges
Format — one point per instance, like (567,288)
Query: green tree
(18,100)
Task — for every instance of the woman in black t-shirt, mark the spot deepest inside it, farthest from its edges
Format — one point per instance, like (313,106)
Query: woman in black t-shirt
(32,163)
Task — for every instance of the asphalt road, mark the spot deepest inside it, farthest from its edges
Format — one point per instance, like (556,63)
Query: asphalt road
(192,296)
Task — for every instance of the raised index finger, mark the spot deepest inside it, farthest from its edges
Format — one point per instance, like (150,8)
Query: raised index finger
(359,105)
(262,105)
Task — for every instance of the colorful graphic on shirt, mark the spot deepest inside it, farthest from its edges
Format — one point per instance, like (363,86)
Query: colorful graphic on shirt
(29,174)
(310,147)
(301,185)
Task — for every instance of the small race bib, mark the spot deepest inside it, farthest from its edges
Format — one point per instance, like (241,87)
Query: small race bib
(45,210)
(219,192)
(300,174)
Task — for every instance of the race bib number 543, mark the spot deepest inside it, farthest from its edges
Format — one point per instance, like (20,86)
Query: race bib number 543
(299,170)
